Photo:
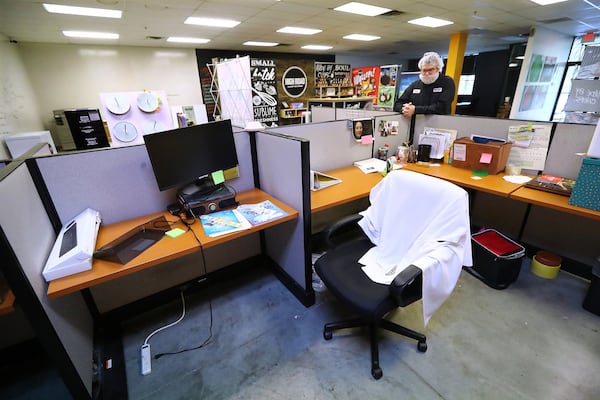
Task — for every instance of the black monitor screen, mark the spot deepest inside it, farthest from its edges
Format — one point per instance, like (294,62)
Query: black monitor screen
(180,156)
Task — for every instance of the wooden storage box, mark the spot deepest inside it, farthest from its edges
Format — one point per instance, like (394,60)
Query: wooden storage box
(489,157)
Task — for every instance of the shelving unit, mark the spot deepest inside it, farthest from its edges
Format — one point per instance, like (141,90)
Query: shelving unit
(290,113)
(341,102)
(336,91)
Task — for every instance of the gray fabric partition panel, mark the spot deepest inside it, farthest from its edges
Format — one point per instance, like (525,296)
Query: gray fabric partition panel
(568,140)
(118,182)
(393,140)
(64,325)
(322,114)
(467,125)
(281,174)
(351,113)
(332,144)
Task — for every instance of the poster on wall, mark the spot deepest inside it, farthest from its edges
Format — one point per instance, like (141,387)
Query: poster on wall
(590,63)
(367,78)
(264,90)
(332,74)
(388,81)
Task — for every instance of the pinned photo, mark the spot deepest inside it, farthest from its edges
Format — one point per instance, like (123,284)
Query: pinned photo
(361,128)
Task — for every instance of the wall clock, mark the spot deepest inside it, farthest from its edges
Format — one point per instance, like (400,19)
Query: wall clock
(124,131)
(147,102)
(117,103)
(153,126)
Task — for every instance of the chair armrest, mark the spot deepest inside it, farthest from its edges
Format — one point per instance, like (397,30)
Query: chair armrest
(407,286)
(343,225)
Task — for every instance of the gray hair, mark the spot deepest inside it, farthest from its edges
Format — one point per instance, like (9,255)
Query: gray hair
(431,58)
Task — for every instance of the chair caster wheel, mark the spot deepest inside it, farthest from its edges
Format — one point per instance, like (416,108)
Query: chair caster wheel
(377,373)
(327,334)
(422,347)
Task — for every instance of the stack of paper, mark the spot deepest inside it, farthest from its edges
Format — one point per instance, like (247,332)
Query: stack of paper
(371,165)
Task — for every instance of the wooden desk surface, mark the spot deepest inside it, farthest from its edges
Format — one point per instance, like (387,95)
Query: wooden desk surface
(164,250)
(8,305)
(552,200)
(355,185)
(494,184)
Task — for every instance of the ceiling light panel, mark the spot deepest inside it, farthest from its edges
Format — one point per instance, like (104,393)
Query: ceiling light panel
(260,44)
(361,37)
(84,11)
(91,35)
(430,22)
(547,2)
(214,22)
(178,39)
(362,9)
(316,47)
(298,30)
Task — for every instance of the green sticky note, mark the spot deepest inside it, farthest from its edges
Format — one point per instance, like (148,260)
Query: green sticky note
(175,232)
(218,177)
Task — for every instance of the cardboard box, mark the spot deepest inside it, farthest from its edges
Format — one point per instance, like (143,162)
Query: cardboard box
(586,192)
(490,157)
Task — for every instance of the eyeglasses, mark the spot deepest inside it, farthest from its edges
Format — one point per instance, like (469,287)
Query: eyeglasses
(428,70)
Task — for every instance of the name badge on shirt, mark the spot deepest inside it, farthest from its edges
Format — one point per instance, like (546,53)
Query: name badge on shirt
(416,91)
(437,90)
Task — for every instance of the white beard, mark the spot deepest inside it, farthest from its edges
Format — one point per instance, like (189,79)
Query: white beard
(429,79)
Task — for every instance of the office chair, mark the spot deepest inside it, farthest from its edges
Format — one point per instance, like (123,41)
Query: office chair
(414,220)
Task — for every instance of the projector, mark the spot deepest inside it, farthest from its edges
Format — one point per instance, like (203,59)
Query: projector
(197,204)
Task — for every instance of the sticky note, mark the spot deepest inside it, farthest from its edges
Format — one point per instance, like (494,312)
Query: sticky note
(218,177)
(486,158)
(175,232)
(367,139)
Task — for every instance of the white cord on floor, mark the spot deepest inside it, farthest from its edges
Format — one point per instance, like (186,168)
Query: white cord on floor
(172,323)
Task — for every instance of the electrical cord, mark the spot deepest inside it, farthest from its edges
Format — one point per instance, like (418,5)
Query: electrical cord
(209,338)
(172,323)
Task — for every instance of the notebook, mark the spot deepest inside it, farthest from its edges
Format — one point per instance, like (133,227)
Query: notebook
(552,183)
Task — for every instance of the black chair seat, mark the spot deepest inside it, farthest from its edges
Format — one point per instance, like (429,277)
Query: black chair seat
(342,274)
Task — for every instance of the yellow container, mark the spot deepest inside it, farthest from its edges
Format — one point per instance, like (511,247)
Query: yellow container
(545,264)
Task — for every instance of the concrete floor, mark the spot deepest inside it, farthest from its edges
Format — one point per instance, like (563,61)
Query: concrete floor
(530,341)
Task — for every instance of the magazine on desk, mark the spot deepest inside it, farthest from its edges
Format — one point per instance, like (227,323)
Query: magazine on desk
(223,222)
(371,165)
(552,184)
(260,213)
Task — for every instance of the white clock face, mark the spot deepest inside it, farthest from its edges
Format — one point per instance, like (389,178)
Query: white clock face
(147,102)
(125,131)
(153,126)
(117,103)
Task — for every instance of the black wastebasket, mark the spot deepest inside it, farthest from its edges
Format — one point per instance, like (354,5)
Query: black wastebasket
(592,299)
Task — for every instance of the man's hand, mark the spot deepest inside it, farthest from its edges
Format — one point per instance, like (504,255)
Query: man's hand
(408,109)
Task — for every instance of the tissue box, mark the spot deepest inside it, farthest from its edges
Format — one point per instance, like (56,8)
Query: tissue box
(586,192)
(490,157)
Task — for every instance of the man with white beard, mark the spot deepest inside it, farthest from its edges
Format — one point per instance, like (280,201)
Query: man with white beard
(432,93)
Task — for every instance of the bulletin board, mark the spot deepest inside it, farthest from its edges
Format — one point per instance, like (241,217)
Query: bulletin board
(131,115)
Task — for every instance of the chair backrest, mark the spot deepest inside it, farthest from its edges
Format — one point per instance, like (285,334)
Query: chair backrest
(408,207)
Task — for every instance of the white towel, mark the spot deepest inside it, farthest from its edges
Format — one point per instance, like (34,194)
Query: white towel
(420,220)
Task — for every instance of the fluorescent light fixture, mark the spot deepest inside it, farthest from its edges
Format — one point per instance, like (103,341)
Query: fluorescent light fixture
(430,22)
(176,39)
(316,47)
(220,23)
(362,9)
(520,57)
(298,31)
(546,2)
(86,11)
(512,65)
(364,38)
(262,44)
(91,35)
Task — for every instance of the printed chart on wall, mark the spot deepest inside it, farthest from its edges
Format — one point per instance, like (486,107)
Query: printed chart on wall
(530,146)
(539,77)
(264,90)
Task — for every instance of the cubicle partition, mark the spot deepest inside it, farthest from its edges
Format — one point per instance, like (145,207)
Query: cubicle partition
(332,144)
(569,144)
(63,326)
(283,165)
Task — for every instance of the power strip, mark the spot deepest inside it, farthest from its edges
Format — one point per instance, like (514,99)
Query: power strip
(146,359)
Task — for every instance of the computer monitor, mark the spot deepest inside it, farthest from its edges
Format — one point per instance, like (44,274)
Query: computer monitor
(188,156)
